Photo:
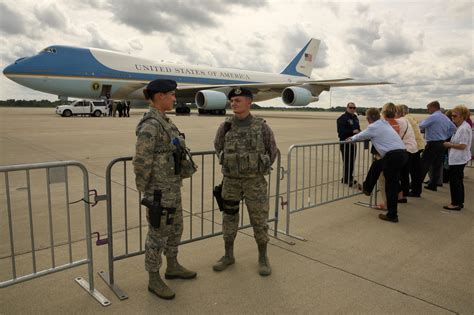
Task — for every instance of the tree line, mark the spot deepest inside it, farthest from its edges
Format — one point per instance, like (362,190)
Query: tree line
(47,103)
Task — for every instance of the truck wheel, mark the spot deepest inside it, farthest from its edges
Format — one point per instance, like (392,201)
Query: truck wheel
(97,113)
(67,113)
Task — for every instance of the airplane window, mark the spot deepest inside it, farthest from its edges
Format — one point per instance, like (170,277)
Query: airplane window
(49,50)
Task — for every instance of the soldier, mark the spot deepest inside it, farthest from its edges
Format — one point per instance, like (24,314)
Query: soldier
(159,171)
(246,149)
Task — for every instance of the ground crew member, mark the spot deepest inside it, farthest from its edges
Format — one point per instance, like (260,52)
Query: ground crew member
(246,149)
(156,177)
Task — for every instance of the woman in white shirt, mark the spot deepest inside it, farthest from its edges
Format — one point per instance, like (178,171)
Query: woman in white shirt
(459,154)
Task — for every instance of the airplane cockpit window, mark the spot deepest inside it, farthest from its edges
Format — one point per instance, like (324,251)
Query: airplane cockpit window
(49,50)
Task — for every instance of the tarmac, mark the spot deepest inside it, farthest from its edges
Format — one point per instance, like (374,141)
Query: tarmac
(349,262)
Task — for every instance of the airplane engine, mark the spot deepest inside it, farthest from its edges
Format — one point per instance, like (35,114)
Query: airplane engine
(297,96)
(211,100)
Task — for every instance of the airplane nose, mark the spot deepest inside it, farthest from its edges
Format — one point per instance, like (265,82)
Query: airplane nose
(13,68)
(10,69)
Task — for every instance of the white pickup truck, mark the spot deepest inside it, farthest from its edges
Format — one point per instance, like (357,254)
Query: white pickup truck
(83,107)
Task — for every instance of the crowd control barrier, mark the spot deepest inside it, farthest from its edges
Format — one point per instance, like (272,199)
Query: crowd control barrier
(37,239)
(126,217)
(315,174)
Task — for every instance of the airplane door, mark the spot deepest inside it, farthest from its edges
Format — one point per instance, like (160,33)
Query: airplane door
(106,89)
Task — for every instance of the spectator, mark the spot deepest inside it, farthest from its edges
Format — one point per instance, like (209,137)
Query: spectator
(408,137)
(392,150)
(437,128)
(114,109)
(441,172)
(126,107)
(414,158)
(459,155)
(388,113)
(108,104)
(120,108)
(347,126)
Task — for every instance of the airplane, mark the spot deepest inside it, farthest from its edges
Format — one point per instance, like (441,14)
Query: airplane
(97,73)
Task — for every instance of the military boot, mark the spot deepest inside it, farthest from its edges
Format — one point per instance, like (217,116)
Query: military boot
(158,287)
(264,268)
(175,271)
(227,259)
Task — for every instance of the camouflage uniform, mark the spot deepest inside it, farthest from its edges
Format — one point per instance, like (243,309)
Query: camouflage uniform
(154,169)
(246,151)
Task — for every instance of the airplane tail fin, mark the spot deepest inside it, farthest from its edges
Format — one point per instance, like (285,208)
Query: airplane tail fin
(302,64)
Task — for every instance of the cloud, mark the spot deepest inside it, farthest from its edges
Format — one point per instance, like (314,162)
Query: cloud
(11,22)
(362,8)
(322,57)
(332,6)
(376,40)
(248,3)
(18,49)
(50,15)
(135,44)
(293,41)
(97,40)
(366,39)
(172,17)
(191,51)
(95,4)
(219,51)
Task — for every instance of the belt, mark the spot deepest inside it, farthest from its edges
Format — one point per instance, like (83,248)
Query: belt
(396,151)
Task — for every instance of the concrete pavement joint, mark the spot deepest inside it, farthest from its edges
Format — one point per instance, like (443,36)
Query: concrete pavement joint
(360,277)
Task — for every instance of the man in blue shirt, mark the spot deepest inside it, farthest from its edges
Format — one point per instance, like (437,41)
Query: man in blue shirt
(394,157)
(437,128)
(347,126)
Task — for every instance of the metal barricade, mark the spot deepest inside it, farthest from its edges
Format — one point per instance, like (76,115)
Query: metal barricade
(38,229)
(470,164)
(126,229)
(315,174)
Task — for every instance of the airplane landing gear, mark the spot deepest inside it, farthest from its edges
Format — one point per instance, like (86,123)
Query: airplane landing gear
(182,109)
(219,112)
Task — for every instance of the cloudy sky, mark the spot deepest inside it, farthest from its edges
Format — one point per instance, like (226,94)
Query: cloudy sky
(424,46)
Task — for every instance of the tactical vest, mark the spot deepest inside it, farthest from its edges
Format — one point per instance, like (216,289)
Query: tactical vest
(163,169)
(244,150)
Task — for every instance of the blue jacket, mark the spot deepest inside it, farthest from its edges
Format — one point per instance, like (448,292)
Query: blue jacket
(346,124)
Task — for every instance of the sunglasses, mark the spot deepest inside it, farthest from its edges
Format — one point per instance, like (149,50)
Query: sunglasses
(351,107)
(454,116)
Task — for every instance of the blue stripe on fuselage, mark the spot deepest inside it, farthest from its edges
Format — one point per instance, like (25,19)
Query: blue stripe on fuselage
(79,62)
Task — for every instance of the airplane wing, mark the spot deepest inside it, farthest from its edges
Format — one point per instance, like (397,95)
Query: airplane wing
(316,85)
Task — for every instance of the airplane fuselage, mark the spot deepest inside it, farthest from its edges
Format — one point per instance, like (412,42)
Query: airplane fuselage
(82,72)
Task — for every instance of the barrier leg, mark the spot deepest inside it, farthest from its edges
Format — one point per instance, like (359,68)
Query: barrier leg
(89,286)
(108,277)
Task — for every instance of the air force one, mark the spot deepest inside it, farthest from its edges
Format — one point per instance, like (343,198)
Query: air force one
(94,73)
